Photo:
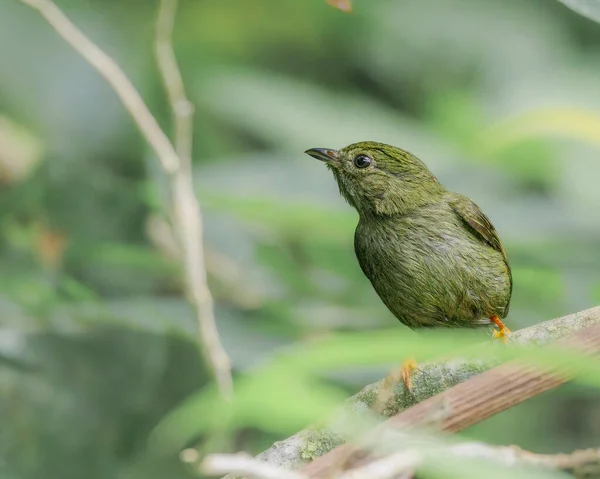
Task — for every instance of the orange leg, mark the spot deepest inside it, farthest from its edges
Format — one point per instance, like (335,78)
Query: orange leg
(408,366)
(502,332)
(394,377)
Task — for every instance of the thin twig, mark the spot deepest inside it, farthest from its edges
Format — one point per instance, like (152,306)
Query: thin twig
(217,464)
(580,463)
(117,79)
(388,467)
(186,214)
(223,269)
(182,109)
(187,218)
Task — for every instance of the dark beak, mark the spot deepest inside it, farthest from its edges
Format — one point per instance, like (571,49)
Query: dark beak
(323,154)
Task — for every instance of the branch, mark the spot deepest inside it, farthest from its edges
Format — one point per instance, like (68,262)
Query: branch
(429,380)
(186,210)
(389,467)
(115,77)
(182,109)
(469,402)
(217,464)
(582,464)
(186,215)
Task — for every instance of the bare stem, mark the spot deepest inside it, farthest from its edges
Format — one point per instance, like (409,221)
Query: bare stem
(581,463)
(116,78)
(187,218)
(186,214)
(182,109)
(394,465)
(241,463)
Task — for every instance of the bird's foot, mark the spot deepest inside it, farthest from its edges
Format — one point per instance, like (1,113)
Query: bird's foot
(408,366)
(502,332)
(393,378)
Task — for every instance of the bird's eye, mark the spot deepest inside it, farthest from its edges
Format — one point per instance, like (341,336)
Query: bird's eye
(362,161)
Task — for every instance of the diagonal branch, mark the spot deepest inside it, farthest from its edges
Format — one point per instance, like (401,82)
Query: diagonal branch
(431,379)
(469,402)
(115,77)
(186,215)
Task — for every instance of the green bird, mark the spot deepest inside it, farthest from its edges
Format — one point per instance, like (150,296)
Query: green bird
(433,257)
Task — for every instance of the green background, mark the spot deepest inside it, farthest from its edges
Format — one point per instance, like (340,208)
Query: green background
(96,342)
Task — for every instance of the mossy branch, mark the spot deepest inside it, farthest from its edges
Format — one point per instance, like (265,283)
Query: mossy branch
(467,403)
(431,379)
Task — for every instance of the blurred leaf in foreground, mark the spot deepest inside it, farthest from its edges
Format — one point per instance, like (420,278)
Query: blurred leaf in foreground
(289,385)
(20,151)
(587,8)
(569,123)
(299,220)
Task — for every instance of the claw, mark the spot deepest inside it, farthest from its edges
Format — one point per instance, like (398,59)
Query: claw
(408,366)
(393,378)
(502,332)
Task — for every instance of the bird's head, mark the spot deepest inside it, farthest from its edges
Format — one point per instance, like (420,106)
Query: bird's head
(379,179)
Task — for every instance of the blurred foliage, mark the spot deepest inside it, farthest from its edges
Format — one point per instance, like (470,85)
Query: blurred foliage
(500,99)
(587,8)
(343,5)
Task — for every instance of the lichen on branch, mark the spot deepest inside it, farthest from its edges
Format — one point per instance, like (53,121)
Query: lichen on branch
(429,380)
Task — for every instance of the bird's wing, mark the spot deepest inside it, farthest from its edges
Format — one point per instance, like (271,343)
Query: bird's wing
(480,225)
(477,221)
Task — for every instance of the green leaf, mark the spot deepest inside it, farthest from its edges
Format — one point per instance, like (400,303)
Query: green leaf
(299,220)
(569,123)
(288,385)
(587,8)
(292,401)
(458,116)
(297,115)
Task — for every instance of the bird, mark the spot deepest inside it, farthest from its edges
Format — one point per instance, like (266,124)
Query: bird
(432,256)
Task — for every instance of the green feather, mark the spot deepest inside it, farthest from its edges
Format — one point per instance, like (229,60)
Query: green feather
(432,256)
